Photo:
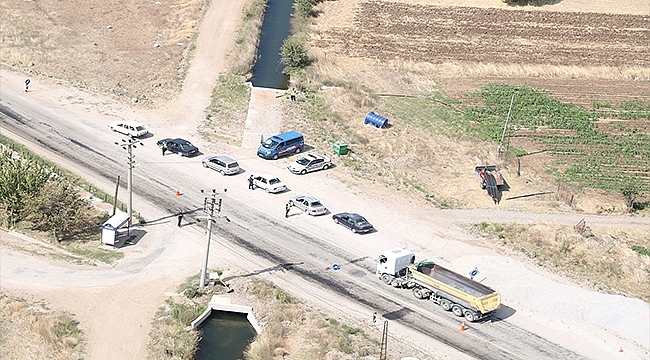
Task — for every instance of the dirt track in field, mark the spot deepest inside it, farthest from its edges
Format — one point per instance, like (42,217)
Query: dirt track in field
(437,34)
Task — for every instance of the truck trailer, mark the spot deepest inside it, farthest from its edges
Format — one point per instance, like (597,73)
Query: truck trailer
(429,281)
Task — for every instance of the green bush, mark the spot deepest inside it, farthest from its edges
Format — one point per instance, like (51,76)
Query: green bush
(351,330)
(641,250)
(304,8)
(294,54)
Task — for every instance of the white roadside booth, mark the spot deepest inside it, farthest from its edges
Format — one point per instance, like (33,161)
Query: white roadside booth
(109,229)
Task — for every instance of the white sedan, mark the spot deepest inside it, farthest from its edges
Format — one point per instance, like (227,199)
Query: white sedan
(128,127)
(268,182)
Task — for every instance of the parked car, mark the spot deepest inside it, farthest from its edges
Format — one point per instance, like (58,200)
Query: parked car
(128,127)
(179,146)
(353,221)
(223,164)
(309,163)
(309,204)
(268,182)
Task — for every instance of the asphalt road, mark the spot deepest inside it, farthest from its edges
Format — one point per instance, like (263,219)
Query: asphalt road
(296,249)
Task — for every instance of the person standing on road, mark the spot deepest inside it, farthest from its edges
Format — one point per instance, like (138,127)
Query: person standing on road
(164,147)
(27,81)
(180,217)
(250,183)
(287,208)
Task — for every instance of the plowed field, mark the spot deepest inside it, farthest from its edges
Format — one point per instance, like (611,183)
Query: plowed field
(609,52)
(436,34)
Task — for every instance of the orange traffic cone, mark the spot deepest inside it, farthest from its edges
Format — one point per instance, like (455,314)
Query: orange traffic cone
(462,327)
(178,193)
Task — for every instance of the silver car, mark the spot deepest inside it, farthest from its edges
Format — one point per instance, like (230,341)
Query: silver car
(309,204)
(223,164)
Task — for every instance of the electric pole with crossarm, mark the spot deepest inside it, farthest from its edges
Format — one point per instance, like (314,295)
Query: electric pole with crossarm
(128,145)
(211,203)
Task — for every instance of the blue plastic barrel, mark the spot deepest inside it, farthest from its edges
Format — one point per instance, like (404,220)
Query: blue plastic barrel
(376,120)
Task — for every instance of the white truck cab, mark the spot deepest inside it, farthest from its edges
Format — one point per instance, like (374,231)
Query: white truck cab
(394,262)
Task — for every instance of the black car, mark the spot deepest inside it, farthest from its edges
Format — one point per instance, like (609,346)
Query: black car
(352,221)
(178,146)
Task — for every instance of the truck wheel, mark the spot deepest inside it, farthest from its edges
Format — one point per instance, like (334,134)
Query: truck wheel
(470,316)
(387,279)
(419,293)
(457,310)
(445,304)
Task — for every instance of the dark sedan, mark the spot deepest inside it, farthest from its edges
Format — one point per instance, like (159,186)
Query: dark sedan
(355,222)
(178,146)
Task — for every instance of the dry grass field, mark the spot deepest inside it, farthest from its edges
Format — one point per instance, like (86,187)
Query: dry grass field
(51,334)
(132,50)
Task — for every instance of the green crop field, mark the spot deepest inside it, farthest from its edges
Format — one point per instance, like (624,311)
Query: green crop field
(607,157)
(606,147)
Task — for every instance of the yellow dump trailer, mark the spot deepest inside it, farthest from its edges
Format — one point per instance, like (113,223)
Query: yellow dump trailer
(452,286)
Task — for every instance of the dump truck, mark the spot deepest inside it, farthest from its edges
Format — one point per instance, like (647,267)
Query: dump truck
(428,281)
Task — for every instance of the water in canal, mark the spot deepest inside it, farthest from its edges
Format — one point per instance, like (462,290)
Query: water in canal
(225,336)
(267,72)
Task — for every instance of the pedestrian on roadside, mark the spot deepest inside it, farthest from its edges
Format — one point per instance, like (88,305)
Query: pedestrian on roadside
(180,217)
(374,317)
(250,183)
(27,81)
(164,147)
(293,94)
(287,208)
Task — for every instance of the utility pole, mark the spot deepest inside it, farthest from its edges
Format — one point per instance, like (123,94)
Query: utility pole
(505,126)
(211,203)
(383,355)
(128,145)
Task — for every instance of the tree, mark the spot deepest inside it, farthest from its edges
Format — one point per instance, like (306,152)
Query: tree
(21,177)
(58,208)
(294,54)
(631,190)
